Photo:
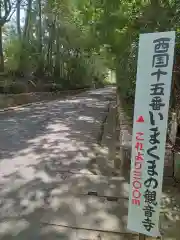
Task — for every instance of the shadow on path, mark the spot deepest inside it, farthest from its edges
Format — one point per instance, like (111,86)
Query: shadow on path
(45,150)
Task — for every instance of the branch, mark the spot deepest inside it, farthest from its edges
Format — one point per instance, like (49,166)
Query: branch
(14,10)
(7,11)
(9,17)
(7,8)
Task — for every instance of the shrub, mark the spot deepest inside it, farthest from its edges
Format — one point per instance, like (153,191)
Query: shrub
(17,88)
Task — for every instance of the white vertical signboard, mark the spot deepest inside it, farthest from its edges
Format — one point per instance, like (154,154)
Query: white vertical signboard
(153,84)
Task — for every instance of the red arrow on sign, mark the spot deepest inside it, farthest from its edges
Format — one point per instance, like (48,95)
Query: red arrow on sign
(140,119)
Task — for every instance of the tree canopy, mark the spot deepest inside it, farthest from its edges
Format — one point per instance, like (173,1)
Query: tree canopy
(74,42)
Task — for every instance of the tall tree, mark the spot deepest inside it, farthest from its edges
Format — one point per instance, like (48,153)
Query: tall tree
(18,18)
(54,41)
(27,20)
(5,11)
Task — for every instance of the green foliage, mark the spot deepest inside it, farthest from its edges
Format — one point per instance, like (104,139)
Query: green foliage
(12,87)
(73,43)
(12,49)
(116,25)
(57,47)
(20,54)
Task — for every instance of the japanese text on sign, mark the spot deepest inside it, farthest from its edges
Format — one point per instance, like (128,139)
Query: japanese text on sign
(159,62)
(154,73)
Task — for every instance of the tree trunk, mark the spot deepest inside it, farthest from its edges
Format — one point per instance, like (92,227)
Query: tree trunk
(50,47)
(40,26)
(27,20)
(1,52)
(5,8)
(49,52)
(40,68)
(1,44)
(18,16)
(24,39)
(57,57)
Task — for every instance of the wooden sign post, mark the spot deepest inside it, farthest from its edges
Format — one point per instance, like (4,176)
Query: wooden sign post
(153,85)
(144,237)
